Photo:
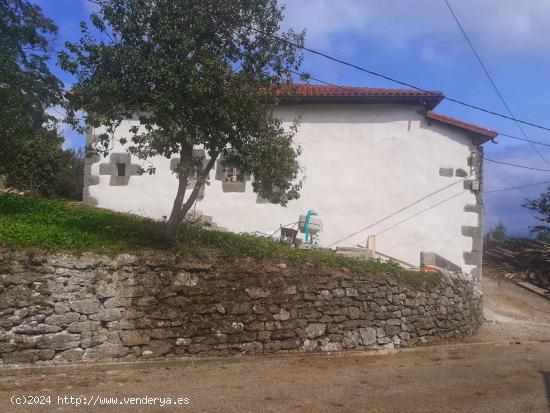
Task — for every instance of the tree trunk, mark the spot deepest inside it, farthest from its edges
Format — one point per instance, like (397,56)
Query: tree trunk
(180,208)
(175,219)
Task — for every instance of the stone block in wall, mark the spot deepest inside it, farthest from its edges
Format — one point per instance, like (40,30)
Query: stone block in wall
(135,337)
(477,208)
(469,231)
(104,351)
(315,330)
(91,180)
(87,306)
(58,341)
(28,356)
(472,258)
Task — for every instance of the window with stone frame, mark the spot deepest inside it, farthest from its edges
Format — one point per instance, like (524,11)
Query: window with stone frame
(230,174)
(120,168)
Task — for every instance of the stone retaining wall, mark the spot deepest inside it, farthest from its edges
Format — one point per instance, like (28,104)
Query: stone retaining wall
(64,308)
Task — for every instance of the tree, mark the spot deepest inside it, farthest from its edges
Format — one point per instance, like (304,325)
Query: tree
(498,233)
(30,144)
(198,73)
(542,206)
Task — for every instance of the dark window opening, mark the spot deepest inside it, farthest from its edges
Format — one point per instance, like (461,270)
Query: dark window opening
(121,167)
(232,174)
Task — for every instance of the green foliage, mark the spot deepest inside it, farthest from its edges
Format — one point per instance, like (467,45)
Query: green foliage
(31,157)
(46,169)
(195,73)
(541,205)
(499,232)
(55,225)
(68,179)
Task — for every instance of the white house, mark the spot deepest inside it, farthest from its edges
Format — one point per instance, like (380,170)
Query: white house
(368,153)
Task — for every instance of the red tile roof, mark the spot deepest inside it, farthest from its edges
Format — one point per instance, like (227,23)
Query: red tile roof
(304,93)
(461,124)
(304,90)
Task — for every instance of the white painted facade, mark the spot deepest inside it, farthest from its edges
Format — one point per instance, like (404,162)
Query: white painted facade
(363,162)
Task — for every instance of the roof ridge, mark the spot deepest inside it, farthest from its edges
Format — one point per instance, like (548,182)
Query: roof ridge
(306,89)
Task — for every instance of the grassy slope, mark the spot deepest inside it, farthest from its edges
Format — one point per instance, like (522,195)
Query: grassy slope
(55,225)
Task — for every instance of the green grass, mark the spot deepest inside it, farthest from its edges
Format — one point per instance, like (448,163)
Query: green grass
(55,225)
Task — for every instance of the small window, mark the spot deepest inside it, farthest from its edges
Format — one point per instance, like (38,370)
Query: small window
(121,167)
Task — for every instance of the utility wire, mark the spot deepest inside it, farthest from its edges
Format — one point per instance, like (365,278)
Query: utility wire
(398,211)
(401,83)
(523,139)
(517,165)
(491,81)
(353,90)
(516,187)
(380,75)
(391,79)
(421,212)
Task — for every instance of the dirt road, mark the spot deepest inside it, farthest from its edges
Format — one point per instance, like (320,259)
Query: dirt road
(511,312)
(473,377)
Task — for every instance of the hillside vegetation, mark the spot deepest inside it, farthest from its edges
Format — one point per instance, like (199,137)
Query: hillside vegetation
(56,225)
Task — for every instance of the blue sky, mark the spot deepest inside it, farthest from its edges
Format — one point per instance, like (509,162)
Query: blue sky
(418,42)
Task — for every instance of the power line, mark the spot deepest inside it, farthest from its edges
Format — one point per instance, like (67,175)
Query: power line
(523,139)
(517,165)
(420,212)
(398,211)
(490,160)
(380,75)
(351,89)
(499,94)
(391,79)
(517,187)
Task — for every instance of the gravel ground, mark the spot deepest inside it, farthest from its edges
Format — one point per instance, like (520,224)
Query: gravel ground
(512,375)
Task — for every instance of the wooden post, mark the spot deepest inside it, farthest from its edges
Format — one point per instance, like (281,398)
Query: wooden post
(371,246)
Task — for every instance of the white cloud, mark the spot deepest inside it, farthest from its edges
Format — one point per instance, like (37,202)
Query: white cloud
(496,27)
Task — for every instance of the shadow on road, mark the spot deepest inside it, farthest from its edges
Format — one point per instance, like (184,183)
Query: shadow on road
(546,377)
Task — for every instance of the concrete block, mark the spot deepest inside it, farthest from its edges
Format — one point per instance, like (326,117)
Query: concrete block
(436,260)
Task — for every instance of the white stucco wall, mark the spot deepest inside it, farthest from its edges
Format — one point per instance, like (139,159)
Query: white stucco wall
(362,163)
